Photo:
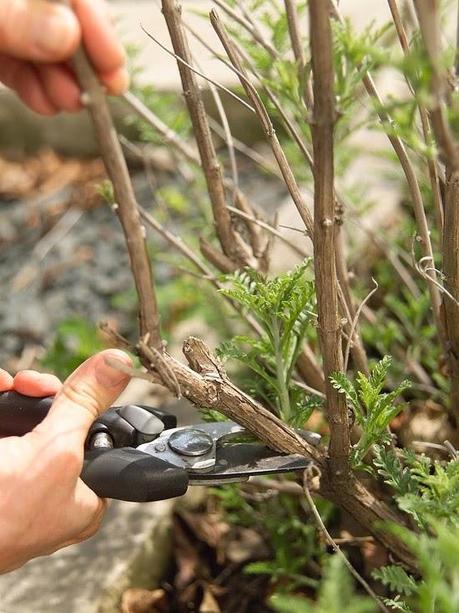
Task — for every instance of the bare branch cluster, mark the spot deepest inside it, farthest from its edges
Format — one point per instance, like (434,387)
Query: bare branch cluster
(203,380)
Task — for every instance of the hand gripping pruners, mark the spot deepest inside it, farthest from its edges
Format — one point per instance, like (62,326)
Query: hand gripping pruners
(136,452)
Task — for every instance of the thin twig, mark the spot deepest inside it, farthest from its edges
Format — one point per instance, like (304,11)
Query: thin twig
(171,137)
(301,252)
(355,322)
(256,238)
(283,487)
(198,72)
(133,372)
(115,337)
(329,538)
(207,274)
(52,238)
(446,448)
(393,257)
(256,34)
(243,148)
(291,11)
(423,268)
(454,453)
(359,355)
(149,321)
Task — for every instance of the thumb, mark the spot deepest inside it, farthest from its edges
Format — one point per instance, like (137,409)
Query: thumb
(38,30)
(84,396)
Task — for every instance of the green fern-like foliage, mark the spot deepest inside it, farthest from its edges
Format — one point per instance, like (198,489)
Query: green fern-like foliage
(423,487)
(285,309)
(429,491)
(438,491)
(336,591)
(396,579)
(436,588)
(373,409)
(394,471)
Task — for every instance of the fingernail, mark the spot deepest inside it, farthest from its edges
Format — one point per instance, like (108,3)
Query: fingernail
(55,32)
(6,380)
(118,82)
(107,375)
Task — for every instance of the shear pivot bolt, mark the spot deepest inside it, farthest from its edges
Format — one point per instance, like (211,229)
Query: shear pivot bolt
(191,442)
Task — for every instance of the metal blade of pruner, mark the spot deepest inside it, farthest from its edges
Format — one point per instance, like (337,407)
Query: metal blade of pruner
(222,452)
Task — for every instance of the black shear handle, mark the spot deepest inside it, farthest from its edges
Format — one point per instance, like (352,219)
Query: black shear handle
(122,474)
(130,474)
(20,414)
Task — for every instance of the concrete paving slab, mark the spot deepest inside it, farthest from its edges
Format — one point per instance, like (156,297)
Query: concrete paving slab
(161,69)
(79,578)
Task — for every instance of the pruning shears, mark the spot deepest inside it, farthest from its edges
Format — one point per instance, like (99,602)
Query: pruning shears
(137,453)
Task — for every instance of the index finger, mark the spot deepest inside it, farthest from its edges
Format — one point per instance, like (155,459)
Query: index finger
(6,381)
(99,37)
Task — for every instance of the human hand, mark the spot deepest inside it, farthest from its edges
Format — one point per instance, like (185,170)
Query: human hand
(44,506)
(38,37)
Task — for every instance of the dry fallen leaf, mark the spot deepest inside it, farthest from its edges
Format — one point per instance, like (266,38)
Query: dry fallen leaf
(186,557)
(246,544)
(208,602)
(139,600)
(424,424)
(208,528)
(45,173)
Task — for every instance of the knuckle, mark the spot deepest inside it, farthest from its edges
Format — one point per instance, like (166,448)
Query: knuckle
(83,395)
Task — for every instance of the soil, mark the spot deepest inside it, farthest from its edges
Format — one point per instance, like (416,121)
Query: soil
(207,573)
(62,251)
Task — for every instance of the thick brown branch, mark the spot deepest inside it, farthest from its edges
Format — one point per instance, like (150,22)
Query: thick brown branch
(426,129)
(324,233)
(234,52)
(412,182)
(265,121)
(233,246)
(205,383)
(428,16)
(291,10)
(126,208)
(254,32)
